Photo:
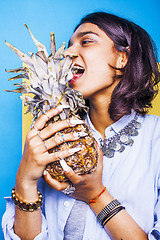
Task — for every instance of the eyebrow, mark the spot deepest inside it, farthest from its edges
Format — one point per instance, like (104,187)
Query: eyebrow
(81,34)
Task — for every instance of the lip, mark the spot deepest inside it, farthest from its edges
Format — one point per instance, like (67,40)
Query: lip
(77,67)
(75,78)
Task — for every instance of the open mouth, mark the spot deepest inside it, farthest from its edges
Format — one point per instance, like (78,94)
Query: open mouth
(77,72)
(77,69)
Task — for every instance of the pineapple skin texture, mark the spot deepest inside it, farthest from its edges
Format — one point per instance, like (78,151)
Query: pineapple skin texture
(82,162)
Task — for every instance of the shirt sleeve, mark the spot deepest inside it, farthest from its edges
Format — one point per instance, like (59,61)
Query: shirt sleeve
(8,224)
(154,233)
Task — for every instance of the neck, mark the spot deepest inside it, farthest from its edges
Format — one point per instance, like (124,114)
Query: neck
(99,115)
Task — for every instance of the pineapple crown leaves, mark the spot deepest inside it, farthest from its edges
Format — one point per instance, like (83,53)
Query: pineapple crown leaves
(48,77)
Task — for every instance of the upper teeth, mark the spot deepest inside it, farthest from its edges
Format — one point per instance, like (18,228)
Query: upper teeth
(75,69)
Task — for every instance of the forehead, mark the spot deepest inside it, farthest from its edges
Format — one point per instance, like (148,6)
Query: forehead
(87,28)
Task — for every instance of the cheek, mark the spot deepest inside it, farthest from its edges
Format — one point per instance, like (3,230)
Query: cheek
(101,71)
(100,61)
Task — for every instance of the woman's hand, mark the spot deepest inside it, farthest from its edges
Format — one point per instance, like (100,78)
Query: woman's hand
(87,186)
(35,157)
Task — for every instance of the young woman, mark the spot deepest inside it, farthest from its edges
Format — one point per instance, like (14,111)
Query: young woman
(120,73)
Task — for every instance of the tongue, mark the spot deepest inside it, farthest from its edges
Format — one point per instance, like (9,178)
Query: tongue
(75,76)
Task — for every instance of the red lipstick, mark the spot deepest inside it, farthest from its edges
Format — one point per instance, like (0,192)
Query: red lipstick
(75,78)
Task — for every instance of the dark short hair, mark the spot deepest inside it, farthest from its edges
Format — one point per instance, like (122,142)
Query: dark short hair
(138,85)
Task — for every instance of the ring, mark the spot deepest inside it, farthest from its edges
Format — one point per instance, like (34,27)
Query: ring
(40,136)
(59,108)
(45,145)
(46,115)
(59,156)
(33,127)
(68,122)
(60,139)
(63,138)
(69,190)
(56,140)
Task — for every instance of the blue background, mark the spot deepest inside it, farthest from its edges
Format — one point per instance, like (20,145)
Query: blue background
(43,17)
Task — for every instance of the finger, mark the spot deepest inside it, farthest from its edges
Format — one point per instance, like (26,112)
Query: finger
(59,138)
(100,160)
(100,155)
(52,157)
(59,186)
(32,133)
(70,174)
(58,126)
(37,142)
(41,121)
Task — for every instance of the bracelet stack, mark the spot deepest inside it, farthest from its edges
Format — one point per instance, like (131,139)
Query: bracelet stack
(30,207)
(109,211)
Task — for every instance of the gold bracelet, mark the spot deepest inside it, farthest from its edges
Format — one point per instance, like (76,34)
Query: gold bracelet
(30,207)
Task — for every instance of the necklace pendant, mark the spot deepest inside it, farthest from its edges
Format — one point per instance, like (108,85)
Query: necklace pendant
(137,125)
(114,145)
(121,139)
(109,153)
(131,131)
(124,138)
(130,142)
(121,149)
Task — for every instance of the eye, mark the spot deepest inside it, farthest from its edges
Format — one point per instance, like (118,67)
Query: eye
(86,41)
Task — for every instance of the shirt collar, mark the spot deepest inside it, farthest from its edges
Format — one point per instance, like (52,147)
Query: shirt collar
(113,128)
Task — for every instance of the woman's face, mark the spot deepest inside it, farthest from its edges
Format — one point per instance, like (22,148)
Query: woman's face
(95,53)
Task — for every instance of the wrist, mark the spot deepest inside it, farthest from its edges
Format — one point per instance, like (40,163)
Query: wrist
(25,205)
(26,191)
(95,199)
(101,202)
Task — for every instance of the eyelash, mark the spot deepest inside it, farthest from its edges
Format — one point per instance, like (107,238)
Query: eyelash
(84,42)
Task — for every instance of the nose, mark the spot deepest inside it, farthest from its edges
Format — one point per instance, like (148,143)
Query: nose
(71,52)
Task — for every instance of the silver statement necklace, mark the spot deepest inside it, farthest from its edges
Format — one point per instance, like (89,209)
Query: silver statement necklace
(120,140)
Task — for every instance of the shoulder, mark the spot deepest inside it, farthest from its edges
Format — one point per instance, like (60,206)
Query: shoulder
(151,129)
(151,135)
(151,118)
(151,123)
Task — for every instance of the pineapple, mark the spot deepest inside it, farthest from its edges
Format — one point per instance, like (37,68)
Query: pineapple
(48,87)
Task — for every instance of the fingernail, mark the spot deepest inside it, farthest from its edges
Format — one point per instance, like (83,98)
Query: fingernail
(74,150)
(45,173)
(79,134)
(64,165)
(74,122)
(98,142)
(61,107)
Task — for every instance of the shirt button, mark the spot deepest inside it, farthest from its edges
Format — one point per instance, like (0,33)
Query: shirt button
(66,203)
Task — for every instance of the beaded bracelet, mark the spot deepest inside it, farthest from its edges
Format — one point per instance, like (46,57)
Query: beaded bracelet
(32,206)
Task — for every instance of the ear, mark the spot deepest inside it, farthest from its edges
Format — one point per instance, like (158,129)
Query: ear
(122,60)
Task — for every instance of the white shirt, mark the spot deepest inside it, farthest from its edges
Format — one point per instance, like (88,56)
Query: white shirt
(132,177)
